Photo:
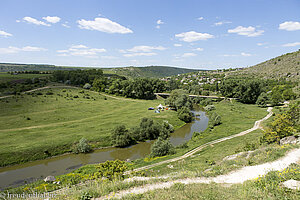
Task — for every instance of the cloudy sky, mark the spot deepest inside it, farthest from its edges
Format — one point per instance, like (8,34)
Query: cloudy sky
(197,34)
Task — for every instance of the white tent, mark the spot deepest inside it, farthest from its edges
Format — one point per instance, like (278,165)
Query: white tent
(160,106)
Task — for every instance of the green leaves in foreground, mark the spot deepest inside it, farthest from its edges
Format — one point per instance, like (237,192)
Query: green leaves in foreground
(111,169)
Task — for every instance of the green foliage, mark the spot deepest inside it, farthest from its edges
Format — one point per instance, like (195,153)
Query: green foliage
(87,86)
(77,77)
(121,137)
(111,169)
(209,108)
(282,126)
(206,102)
(85,196)
(179,99)
(214,119)
(185,115)
(147,130)
(161,147)
(139,88)
(263,100)
(82,146)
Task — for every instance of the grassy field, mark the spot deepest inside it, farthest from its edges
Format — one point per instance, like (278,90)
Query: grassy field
(5,77)
(235,117)
(31,124)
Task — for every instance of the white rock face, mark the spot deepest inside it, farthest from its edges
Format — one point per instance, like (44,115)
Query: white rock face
(292,184)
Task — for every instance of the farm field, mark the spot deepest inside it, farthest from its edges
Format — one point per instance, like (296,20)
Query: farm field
(5,77)
(53,120)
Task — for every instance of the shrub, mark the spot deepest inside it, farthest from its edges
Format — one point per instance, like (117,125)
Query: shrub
(111,169)
(87,86)
(121,137)
(82,146)
(206,101)
(149,130)
(215,119)
(185,115)
(161,147)
(168,126)
(210,108)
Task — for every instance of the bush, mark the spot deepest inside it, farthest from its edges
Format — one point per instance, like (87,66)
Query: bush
(206,101)
(111,169)
(215,119)
(149,130)
(168,126)
(185,115)
(161,147)
(87,86)
(82,146)
(210,108)
(121,137)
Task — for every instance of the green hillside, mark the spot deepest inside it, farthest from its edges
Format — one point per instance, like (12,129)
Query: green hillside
(150,71)
(10,67)
(284,66)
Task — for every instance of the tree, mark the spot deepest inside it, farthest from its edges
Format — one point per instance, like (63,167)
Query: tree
(149,130)
(121,137)
(161,147)
(262,100)
(215,119)
(281,127)
(179,99)
(185,115)
(82,146)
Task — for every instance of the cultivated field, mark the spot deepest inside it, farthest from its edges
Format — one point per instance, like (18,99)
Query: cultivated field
(54,119)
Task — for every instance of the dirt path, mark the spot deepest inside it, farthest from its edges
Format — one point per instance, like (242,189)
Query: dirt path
(239,176)
(257,125)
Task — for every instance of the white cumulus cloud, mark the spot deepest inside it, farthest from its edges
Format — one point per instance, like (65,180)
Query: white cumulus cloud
(142,50)
(193,36)
(222,23)
(290,26)
(35,21)
(81,50)
(53,19)
(200,18)
(245,54)
(185,55)
(177,45)
(12,49)
(159,22)
(249,31)
(199,49)
(140,54)
(103,25)
(5,34)
(291,44)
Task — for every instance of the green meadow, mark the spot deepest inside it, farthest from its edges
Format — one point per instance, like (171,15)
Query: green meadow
(53,120)
(5,77)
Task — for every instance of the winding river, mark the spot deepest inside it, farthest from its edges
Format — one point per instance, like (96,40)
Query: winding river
(17,175)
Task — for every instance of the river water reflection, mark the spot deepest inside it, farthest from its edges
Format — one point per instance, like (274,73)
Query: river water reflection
(17,175)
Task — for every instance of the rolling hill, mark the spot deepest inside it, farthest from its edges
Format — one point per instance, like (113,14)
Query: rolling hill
(150,71)
(284,66)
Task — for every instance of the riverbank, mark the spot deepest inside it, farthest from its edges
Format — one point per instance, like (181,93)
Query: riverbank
(49,122)
(231,116)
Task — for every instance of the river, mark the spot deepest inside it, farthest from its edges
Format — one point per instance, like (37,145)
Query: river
(17,175)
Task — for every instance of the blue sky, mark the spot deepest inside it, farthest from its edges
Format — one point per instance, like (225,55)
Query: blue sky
(198,34)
